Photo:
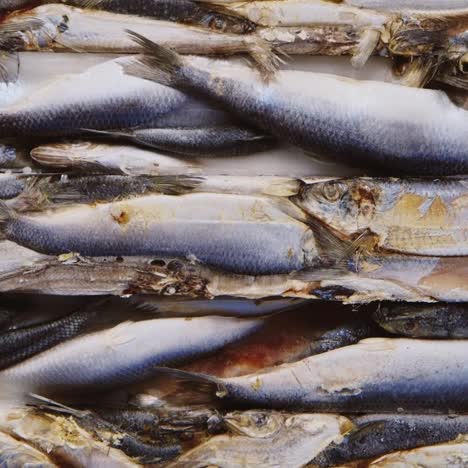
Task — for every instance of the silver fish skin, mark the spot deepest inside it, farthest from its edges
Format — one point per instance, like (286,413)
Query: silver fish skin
(402,5)
(211,141)
(424,133)
(376,435)
(453,454)
(70,103)
(17,454)
(227,307)
(111,158)
(11,186)
(424,320)
(236,233)
(7,155)
(415,216)
(125,354)
(382,375)
(267,439)
(68,28)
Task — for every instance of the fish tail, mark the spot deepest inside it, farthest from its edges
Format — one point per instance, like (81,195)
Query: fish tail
(264,56)
(176,185)
(189,387)
(159,64)
(34,197)
(60,155)
(365,48)
(108,133)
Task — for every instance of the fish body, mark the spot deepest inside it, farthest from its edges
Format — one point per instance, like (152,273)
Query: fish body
(229,307)
(125,354)
(377,435)
(451,454)
(424,320)
(183,11)
(18,345)
(402,5)
(64,441)
(11,186)
(308,12)
(7,155)
(70,103)
(114,159)
(361,123)
(17,454)
(415,216)
(267,439)
(237,233)
(68,28)
(375,375)
(212,141)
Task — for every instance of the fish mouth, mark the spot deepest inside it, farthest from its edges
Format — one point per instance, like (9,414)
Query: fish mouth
(62,155)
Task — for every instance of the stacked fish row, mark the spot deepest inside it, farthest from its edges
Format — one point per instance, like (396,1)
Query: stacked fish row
(183,284)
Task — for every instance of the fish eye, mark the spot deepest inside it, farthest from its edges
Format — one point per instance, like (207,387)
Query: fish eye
(333,191)
(217,23)
(463,63)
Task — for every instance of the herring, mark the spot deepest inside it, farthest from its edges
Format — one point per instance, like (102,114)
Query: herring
(243,234)
(125,354)
(423,133)
(386,375)
(414,216)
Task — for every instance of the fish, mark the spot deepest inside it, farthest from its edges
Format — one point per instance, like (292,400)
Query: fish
(13,4)
(309,12)
(424,320)
(67,104)
(7,155)
(243,234)
(183,11)
(211,141)
(223,306)
(399,5)
(328,115)
(11,186)
(108,359)
(379,434)
(267,439)
(414,216)
(67,28)
(111,158)
(385,375)
(287,337)
(18,345)
(15,454)
(44,193)
(64,441)
(449,454)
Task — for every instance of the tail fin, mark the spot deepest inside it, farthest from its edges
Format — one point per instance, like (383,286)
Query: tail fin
(184,387)
(367,44)
(159,64)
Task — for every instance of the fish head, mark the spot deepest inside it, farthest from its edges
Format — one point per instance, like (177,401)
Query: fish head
(346,205)
(415,320)
(221,20)
(257,424)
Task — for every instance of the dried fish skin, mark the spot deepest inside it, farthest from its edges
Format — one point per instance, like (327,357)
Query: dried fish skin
(114,159)
(289,440)
(235,233)
(423,133)
(183,11)
(308,12)
(70,103)
(63,440)
(11,186)
(452,454)
(377,435)
(68,28)
(424,320)
(7,155)
(17,454)
(376,375)
(414,216)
